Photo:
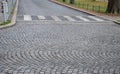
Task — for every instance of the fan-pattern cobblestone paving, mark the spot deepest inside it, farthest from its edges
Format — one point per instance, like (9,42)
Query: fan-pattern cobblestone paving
(60,48)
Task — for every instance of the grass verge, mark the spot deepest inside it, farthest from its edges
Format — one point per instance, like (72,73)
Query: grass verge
(5,23)
(118,21)
(96,6)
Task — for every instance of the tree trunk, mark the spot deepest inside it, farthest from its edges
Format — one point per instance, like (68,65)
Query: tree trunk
(63,0)
(71,1)
(113,6)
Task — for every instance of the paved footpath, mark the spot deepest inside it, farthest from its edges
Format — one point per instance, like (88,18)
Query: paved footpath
(55,47)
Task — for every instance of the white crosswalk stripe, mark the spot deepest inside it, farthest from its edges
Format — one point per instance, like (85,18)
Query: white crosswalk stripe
(97,19)
(56,18)
(82,18)
(69,18)
(41,17)
(61,18)
(27,18)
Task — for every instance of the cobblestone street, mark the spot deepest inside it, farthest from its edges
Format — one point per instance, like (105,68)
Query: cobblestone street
(75,48)
(55,47)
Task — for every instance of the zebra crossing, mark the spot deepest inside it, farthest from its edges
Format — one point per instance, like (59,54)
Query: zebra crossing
(59,18)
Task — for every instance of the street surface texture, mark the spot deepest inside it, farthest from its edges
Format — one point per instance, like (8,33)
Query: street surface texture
(58,47)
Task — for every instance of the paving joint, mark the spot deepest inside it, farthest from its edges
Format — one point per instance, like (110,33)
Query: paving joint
(13,19)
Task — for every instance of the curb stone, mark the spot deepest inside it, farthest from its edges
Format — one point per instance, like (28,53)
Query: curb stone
(13,20)
(85,11)
(117,22)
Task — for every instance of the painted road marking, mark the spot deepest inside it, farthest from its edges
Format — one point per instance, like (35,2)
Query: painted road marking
(56,18)
(41,17)
(82,18)
(27,18)
(69,18)
(60,18)
(97,19)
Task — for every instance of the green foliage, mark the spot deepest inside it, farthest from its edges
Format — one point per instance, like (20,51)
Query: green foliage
(93,0)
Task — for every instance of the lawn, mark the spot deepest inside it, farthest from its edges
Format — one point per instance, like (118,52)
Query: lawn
(96,3)
(89,5)
(118,20)
(5,23)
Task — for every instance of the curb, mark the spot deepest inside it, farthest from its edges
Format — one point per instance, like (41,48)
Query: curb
(83,10)
(13,20)
(117,22)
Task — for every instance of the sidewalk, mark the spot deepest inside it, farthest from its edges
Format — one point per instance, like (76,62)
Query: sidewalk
(1,18)
(1,14)
(109,17)
(12,16)
(10,6)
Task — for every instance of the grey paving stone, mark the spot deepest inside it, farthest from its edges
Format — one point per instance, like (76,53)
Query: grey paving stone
(41,45)
(44,47)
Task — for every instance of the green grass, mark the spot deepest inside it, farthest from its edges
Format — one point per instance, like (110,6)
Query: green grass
(91,2)
(118,20)
(5,23)
(89,5)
